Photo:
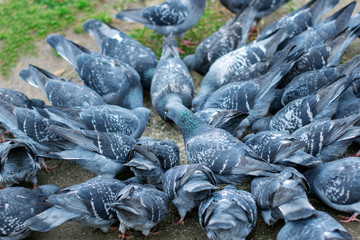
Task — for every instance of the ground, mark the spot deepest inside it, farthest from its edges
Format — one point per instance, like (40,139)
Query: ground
(67,173)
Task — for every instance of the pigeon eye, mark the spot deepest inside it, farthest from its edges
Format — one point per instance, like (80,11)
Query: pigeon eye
(195,105)
(166,110)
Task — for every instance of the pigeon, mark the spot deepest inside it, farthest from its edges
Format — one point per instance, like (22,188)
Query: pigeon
(61,92)
(336,184)
(18,204)
(262,7)
(105,118)
(311,81)
(117,82)
(299,20)
(19,99)
(349,105)
(282,195)
(229,158)
(32,126)
(172,81)
(329,139)
(116,44)
(280,148)
(18,162)
(115,146)
(227,38)
(86,203)
(228,120)
(150,159)
(140,207)
(172,17)
(252,97)
(242,64)
(187,186)
(323,54)
(317,106)
(228,214)
(319,226)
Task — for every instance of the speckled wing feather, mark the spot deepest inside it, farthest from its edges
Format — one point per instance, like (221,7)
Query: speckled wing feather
(19,99)
(166,13)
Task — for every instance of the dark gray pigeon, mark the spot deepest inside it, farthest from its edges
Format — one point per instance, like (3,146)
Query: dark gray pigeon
(60,92)
(172,81)
(229,158)
(317,106)
(349,104)
(19,99)
(311,81)
(282,195)
(299,20)
(140,207)
(280,148)
(187,186)
(105,118)
(329,139)
(116,44)
(18,204)
(242,64)
(32,126)
(86,203)
(319,226)
(227,38)
(18,162)
(336,184)
(115,146)
(263,7)
(171,17)
(117,82)
(228,120)
(228,214)
(150,159)
(252,97)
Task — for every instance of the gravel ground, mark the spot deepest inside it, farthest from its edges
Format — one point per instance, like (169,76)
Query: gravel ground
(67,173)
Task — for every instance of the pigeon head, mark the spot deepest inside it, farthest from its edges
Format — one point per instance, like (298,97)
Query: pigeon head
(44,191)
(199,101)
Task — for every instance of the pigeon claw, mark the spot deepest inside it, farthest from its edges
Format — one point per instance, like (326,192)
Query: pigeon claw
(187,42)
(180,222)
(125,236)
(46,167)
(353,218)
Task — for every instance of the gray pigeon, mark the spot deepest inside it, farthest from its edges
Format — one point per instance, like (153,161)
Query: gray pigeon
(282,195)
(242,64)
(319,226)
(299,20)
(329,139)
(150,159)
(252,97)
(187,186)
(228,214)
(117,82)
(263,7)
(18,162)
(118,45)
(19,99)
(140,207)
(227,38)
(311,81)
(32,126)
(18,204)
(86,203)
(61,92)
(172,17)
(280,148)
(228,120)
(336,184)
(105,118)
(317,106)
(229,158)
(172,81)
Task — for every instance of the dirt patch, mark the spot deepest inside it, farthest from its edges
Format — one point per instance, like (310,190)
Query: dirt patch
(68,174)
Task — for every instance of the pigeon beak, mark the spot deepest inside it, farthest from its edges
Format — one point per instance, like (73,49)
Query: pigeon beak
(165,116)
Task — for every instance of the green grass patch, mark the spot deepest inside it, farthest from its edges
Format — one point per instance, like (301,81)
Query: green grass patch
(214,17)
(22,22)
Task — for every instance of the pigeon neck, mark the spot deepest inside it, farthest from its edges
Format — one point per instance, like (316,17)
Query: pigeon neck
(189,124)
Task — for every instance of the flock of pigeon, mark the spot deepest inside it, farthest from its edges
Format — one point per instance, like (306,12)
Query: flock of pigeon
(285,95)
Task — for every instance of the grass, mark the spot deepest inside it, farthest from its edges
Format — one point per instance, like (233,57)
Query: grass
(22,22)
(214,17)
